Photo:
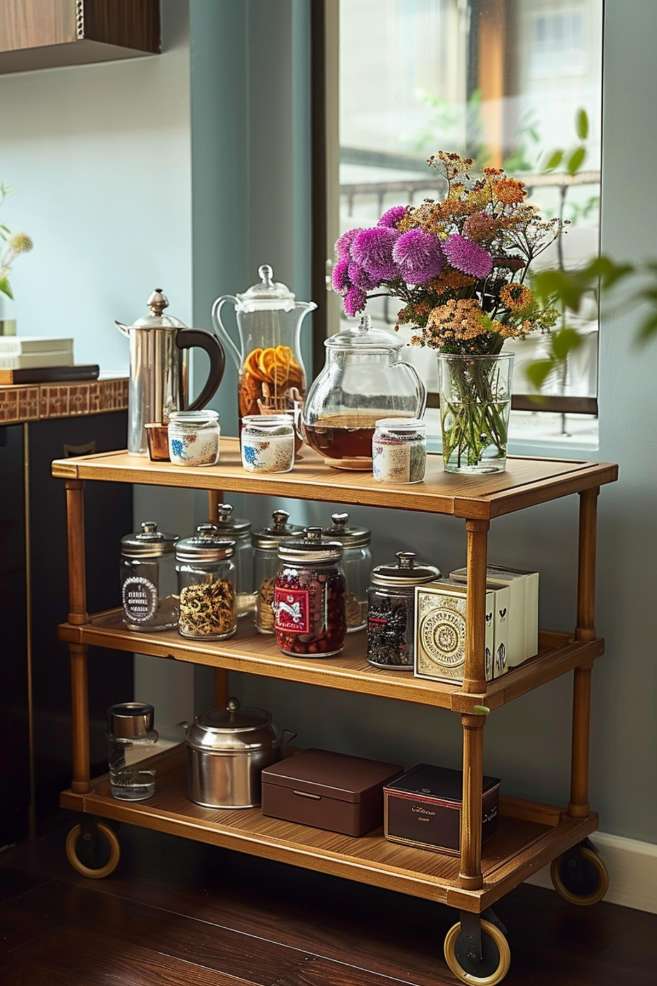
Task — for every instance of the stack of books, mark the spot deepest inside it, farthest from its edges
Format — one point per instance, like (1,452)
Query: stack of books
(38,359)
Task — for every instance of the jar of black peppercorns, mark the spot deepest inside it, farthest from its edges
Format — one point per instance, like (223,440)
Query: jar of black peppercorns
(309,596)
(391,611)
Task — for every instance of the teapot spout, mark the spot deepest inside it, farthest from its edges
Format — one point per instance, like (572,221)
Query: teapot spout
(123,329)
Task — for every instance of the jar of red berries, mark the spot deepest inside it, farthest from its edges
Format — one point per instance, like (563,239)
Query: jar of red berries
(309,596)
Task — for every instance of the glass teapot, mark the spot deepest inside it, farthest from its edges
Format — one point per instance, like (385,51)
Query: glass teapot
(271,373)
(363,380)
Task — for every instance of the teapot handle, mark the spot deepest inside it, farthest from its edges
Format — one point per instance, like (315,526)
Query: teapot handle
(188,339)
(421,388)
(221,329)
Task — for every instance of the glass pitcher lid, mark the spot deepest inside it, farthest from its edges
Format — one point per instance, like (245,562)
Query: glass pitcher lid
(268,295)
(157,302)
(362,338)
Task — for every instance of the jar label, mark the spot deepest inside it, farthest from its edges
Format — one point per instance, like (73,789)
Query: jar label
(292,610)
(139,599)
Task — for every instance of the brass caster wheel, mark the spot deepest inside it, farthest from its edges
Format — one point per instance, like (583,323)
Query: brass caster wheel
(485,970)
(82,846)
(580,876)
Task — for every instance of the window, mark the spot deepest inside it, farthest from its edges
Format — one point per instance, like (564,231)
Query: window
(500,80)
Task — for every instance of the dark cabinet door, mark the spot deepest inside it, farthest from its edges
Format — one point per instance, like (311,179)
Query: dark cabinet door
(14,735)
(108,508)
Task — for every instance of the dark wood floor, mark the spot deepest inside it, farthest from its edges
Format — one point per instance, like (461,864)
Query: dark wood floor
(177,914)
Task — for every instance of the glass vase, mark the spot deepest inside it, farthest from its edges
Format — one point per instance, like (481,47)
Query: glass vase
(475,403)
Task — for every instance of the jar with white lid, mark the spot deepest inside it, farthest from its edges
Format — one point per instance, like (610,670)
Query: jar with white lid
(206,584)
(356,564)
(391,611)
(148,579)
(265,564)
(399,450)
(194,438)
(268,442)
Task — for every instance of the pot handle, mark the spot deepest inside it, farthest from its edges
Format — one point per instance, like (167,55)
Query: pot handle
(188,339)
(287,735)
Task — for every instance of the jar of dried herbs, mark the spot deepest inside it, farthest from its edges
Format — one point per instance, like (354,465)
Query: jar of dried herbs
(265,564)
(391,611)
(399,450)
(206,585)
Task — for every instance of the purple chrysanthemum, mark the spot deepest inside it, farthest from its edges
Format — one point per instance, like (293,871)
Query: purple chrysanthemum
(392,216)
(359,277)
(354,301)
(372,249)
(418,255)
(343,243)
(467,256)
(339,277)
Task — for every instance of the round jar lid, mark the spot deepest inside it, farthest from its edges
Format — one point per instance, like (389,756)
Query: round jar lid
(268,295)
(350,537)
(231,730)
(279,530)
(149,542)
(230,526)
(402,424)
(193,419)
(312,547)
(130,720)
(268,424)
(362,338)
(405,572)
(206,544)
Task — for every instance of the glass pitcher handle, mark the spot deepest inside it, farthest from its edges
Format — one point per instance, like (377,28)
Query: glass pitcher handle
(221,329)
(422,390)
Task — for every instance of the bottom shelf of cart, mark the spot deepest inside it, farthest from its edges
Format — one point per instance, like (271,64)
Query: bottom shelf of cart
(528,837)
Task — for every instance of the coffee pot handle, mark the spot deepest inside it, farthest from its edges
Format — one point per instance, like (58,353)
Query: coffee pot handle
(221,329)
(188,339)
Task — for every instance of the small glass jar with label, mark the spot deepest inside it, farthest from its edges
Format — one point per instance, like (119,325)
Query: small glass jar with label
(206,583)
(238,529)
(148,579)
(265,565)
(391,611)
(309,596)
(356,564)
(399,450)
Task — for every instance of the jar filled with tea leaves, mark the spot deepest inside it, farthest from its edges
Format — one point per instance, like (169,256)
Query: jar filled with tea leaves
(206,585)
(356,564)
(265,563)
(391,611)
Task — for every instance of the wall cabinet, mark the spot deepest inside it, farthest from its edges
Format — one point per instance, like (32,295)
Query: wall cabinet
(47,33)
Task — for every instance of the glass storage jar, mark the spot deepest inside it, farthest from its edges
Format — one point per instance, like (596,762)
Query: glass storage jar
(391,611)
(130,740)
(356,565)
(194,438)
(206,584)
(309,594)
(148,579)
(268,442)
(265,564)
(399,450)
(238,529)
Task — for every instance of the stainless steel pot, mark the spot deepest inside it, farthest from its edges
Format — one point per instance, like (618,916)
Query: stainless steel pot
(226,751)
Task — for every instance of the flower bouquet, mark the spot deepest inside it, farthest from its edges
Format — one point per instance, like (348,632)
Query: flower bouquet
(459,266)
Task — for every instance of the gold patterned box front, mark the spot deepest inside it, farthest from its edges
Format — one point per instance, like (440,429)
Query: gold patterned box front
(440,621)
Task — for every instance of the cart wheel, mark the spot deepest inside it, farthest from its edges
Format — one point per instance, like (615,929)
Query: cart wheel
(580,876)
(80,852)
(495,960)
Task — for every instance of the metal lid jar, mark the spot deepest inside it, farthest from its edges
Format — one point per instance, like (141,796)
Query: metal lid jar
(206,585)
(391,610)
(265,563)
(356,563)
(148,579)
(309,596)
(131,737)
(238,529)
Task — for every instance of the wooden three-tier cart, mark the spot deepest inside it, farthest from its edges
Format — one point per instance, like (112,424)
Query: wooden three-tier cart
(529,835)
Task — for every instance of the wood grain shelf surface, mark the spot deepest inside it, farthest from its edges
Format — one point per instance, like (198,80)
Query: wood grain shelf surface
(528,837)
(526,481)
(254,653)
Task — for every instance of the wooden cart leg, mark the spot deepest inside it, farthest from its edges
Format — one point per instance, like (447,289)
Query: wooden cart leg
(470,877)
(77,596)
(474,675)
(579,774)
(215,497)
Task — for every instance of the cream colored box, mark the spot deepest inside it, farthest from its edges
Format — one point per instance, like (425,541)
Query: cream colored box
(502,629)
(440,621)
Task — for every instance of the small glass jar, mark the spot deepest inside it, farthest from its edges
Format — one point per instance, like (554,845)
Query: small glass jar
(309,596)
(268,443)
(265,565)
(130,740)
(206,585)
(356,564)
(194,438)
(391,611)
(399,450)
(238,529)
(148,579)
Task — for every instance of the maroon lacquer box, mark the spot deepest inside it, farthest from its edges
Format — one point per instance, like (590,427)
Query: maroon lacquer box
(423,808)
(327,790)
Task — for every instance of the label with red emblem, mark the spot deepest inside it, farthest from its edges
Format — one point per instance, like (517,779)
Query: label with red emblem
(292,610)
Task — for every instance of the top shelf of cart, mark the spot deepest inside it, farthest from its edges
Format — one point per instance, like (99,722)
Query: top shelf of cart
(526,481)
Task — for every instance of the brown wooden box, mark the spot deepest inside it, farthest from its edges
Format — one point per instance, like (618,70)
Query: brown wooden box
(423,808)
(327,790)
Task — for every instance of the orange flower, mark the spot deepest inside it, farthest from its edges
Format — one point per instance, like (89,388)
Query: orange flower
(450,280)
(510,191)
(516,297)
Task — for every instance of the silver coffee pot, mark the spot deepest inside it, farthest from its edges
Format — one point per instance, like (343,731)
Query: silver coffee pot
(158,369)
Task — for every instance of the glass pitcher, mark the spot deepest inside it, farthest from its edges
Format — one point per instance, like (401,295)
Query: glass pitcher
(363,380)
(271,378)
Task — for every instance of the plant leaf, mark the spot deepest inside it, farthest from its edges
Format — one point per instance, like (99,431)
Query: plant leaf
(5,287)
(564,341)
(582,123)
(538,372)
(554,160)
(576,160)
